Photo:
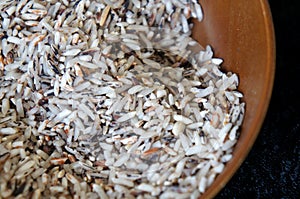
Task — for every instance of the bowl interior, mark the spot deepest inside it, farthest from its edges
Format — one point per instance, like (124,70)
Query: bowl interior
(241,32)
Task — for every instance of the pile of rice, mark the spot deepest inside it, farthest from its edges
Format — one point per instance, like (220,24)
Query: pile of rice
(106,99)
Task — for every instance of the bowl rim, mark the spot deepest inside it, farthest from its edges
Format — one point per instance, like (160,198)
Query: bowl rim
(240,155)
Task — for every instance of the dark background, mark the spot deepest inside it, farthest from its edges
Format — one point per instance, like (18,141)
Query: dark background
(272,168)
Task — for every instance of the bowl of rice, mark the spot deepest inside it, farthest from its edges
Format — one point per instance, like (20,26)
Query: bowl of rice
(130,99)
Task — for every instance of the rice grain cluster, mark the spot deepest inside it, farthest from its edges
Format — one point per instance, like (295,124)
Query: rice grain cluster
(109,99)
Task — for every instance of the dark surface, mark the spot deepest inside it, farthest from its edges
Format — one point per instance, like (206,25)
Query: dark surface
(272,168)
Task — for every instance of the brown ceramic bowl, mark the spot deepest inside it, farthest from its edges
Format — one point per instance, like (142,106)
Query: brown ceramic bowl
(241,32)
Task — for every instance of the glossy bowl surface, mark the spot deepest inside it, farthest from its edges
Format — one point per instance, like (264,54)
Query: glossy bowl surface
(241,32)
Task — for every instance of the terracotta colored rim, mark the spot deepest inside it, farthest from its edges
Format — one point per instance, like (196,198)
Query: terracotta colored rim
(244,148)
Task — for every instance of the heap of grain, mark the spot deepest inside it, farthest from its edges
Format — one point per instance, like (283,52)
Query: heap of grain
(104,98)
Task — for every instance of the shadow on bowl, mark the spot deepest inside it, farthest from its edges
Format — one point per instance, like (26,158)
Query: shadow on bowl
(241,32)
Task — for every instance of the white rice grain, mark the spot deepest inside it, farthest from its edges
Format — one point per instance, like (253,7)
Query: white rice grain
(8,131)
(127,116)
